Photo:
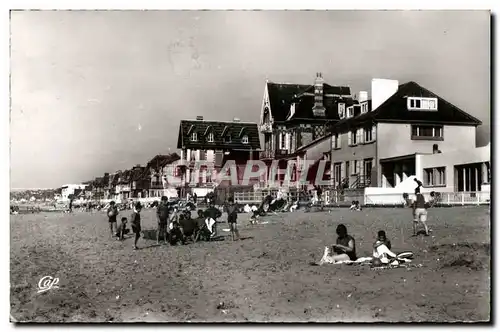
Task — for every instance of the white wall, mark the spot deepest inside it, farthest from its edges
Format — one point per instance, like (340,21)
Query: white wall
(382,89)
(394,140)
(450,160)
(70,190)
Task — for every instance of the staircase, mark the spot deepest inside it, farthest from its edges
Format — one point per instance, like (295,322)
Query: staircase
(361,182)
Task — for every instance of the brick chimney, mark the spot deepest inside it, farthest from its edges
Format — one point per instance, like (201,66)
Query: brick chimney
(319,108)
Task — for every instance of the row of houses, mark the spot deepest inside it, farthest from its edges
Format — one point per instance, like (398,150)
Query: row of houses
(375,139)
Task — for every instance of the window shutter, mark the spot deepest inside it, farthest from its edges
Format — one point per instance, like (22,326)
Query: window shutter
(374,132)
(342,171)
(349,138)
(338,141)
(361,168)
(360,135)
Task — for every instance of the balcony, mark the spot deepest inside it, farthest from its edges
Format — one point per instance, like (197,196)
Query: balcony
(266,128)
(269,154)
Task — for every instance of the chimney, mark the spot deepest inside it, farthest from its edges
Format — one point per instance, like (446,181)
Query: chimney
(318,109)
(199,118)
(363,96)
(382,89)
(236,120)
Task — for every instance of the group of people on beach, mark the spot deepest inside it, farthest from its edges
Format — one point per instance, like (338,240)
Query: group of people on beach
(174,224)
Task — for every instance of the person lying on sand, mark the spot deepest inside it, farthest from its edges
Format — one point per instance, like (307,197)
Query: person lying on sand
(344,249)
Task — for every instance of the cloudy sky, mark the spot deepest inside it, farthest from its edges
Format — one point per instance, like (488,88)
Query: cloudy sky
(94,92)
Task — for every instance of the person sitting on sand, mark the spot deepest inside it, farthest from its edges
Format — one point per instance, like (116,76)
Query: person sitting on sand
(345,248)
(211,215)
(382,248)
(355,206)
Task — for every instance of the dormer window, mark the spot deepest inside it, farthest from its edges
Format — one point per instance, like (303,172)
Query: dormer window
(364,108)
(350,112)
(244,139)
(227,138)
(341,110)
(194,137)
(422,104)
(210,137)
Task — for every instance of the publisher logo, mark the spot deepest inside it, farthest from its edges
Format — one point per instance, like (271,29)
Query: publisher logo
(47,283)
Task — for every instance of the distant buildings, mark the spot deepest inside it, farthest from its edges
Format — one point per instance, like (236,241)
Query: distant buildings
(70,190)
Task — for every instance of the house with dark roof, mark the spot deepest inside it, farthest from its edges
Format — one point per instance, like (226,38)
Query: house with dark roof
(156,171)
(213,143)
(378,146)
(294,115)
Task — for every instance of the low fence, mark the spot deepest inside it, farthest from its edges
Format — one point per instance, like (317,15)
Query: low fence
(445,198)
(366,198)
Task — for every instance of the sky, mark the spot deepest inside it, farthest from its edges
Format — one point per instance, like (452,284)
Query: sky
(100,91)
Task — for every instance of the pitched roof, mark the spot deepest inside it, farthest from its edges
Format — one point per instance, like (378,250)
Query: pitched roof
(395,109)
(220,129)
(161,160)
(281,96)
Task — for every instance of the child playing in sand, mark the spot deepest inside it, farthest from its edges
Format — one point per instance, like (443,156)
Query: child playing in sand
(122,229)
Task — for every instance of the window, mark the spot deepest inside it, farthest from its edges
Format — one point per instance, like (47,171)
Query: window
(426,132)
(353,139)
(435,176)
(341,110)
(194,137)
(368,134)
(422,104)
(355,167)
(244,139)
(210,137)
(336,141)
(350,112)
(364,108)
(227,138)
(432,104)
(282,141)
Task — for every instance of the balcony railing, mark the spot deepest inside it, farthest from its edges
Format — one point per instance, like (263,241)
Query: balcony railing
(269,154)
(266,128)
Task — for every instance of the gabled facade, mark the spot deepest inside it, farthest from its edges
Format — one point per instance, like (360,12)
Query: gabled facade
(139,182)
(378,147)
(155,170)
(294,115)
(213,142)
